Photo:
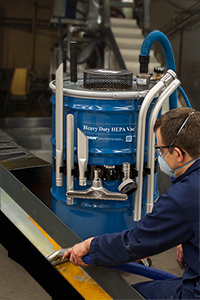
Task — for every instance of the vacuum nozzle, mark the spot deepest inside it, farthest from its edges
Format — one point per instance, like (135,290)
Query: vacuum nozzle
(128,185)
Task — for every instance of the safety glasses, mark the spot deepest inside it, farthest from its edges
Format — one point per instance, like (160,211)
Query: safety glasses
(158,149)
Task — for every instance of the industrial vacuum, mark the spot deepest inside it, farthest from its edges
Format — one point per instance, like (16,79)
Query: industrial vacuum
(104,167)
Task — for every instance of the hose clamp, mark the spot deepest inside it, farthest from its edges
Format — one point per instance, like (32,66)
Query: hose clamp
(168,77)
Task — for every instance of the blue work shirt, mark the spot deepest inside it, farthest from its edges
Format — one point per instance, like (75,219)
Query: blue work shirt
(174,220)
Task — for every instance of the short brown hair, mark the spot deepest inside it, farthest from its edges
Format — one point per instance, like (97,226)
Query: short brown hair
(189,137)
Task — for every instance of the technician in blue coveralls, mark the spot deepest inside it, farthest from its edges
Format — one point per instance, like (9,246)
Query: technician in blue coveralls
(175,217)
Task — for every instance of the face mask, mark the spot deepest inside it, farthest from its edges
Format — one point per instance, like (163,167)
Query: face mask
(166,168)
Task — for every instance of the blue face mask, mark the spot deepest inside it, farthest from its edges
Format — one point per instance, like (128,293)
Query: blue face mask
(166,168)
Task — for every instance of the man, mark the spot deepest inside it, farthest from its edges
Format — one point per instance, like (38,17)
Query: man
(174,219)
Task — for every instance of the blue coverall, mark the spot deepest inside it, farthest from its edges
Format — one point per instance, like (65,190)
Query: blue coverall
(173,221)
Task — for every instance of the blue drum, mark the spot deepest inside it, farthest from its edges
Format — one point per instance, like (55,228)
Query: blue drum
(104,144)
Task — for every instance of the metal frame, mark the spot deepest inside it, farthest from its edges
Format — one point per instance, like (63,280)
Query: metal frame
(109,36)
(78,91)
(91,26)
(21,250)
(109,280)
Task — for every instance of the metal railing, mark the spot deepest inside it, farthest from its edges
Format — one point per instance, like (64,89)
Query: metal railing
(183,21)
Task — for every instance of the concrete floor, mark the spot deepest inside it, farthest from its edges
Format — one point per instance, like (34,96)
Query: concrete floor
(17,284)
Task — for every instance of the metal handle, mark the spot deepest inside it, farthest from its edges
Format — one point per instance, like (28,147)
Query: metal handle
(70,155)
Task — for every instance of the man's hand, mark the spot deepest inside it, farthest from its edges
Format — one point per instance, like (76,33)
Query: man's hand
(180,257)
(78,251)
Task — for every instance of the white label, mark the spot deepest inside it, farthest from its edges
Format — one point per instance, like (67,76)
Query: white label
(106,129)
(141,81)
(129,138)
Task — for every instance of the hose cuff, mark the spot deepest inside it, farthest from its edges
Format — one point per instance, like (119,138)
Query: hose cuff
(144,63)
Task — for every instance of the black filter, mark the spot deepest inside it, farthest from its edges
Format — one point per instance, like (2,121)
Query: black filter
(106,79)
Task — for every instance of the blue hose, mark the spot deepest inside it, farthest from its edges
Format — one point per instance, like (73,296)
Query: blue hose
(169,56)
(184,96)
(137,269)
(165,44)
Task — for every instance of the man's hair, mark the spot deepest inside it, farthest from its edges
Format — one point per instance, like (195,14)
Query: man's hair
(189,137)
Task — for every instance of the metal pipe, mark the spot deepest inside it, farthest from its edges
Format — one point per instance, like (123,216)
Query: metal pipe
(151,139)
(109,39)
(165,80)
(126,168)
(34,21)
(70,30)
(60,44)
(59,125)
(70,155)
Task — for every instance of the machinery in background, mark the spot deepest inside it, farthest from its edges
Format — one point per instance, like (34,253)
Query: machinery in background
(87,23)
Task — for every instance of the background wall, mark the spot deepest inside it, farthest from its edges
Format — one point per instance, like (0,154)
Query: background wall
(16,45)
(162,11)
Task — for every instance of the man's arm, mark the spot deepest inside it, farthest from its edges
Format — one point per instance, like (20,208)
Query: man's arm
(167,226)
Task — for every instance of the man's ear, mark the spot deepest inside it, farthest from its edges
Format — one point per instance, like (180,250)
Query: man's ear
(179,154)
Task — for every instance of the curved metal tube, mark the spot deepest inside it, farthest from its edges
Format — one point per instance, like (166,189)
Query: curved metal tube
(165,80)
(75,90)
(151,139)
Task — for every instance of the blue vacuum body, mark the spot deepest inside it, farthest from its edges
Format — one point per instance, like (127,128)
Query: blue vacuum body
(107,117)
